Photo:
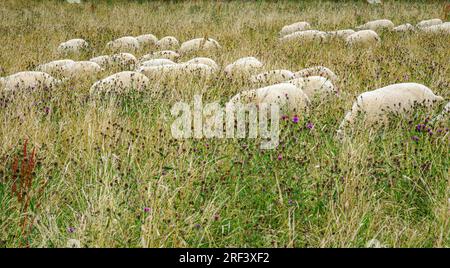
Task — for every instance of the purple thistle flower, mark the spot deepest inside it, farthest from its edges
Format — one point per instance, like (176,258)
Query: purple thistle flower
(280,157)
(310,125)
(147,209)
(295,119)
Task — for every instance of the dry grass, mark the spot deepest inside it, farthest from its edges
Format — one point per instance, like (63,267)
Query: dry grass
(105,162)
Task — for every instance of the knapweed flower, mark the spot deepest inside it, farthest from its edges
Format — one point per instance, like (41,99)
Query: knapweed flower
(420,127)
(280,157)
(310,125)
(295,119)
(147,209)
(415,138)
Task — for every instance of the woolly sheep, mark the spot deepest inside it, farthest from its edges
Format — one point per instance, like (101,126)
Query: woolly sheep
(54,68)
(164,54)
(427,23)
(342,34)
(317,71)
(305,36)
(443,115)
(103,61)
(211,63)
(177,70)
(123,44)
(73,47)
(168,43)
(146,40)
(81,70)
(122,82)
(404,28)
(30,80)
(364,37)
(397,98)
(295,27)
(243,67)
(124,61)
(440,28)
(272,77)
(374,2)
(377,25)
(155,62)
(315,87)
(290,98)
(199,44)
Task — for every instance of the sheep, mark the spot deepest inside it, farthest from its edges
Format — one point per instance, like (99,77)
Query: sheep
(103,61)
(172,71)
(168,43)
(124,44)
(364,37)
(315,87)
(377,25)
(272,77)
(443,115)
(164,54)
(317,71)
(374,2)
(73,47)
(29,81)
(342,34)
(295,27)
(399,99)
(404,28)
(243,67)
(155,62)
(291,99)
(427,23)
(146,40)
(305,36)
(211,63)
(443,28)
(199,44)
(54,68)
(124,61)
(123,82)
(81,70)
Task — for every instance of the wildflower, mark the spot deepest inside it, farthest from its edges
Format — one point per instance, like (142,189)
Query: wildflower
(280,157)
(310,125)
(71,229)
(419,127)
(47,110)
(147,209)
(415,138)
(295,119)
(284,117)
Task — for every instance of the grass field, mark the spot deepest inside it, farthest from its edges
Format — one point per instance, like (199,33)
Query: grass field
(109,174)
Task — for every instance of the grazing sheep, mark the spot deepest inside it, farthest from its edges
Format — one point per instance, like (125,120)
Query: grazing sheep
(124,44)
(146,40)
(104,61)
(341,34)
(54,68)
(168,43)
(317,71)
(73,47)
(374,2)
(295,27)
(305,36)
(122,82)
(28,81)
(211,63)
(243,67)
(443,28)
(290,98)
(404,28)
(376,25)
(399,99)
(164,54)
(199,44)
(155,62)
(427,23)
(272,77)
(315,87)
(81,70)
(173,71)
(364,37)
(123,61)
(443,115)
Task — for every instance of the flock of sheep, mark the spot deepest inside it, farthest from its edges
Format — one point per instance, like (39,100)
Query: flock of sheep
(294,91)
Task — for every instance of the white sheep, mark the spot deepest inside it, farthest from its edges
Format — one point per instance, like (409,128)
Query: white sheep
(164,54)
(315,87)
(407,27)
(73,47)
(305,36)
(243,67)
(427,23)
(317,71)
(155,62)
(54,68)
(145,40)
(290,98)
(211,63)
(81,70)
(168,43)
(295,27)
(122,82)
(123,44)
(376,25)
(374,2)
(400,99)
(199,44)
(341,34)
(28,81)
(272,77)
(364,37)
(103,61)
(124,61)
(173,71)
(443,28)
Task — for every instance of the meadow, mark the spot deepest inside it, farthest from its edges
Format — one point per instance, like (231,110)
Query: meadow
(107,173)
